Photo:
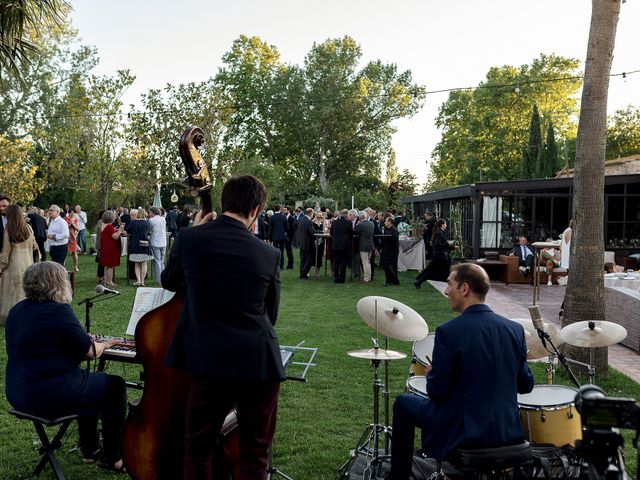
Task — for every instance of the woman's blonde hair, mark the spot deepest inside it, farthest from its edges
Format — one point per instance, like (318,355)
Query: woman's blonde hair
(47,281)
(142,214)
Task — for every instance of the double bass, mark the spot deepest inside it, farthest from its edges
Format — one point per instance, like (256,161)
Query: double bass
(153,437)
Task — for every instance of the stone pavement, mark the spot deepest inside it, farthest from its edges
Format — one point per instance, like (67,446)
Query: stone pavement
(512,301)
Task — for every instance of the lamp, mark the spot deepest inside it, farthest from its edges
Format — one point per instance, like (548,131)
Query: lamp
(174,197)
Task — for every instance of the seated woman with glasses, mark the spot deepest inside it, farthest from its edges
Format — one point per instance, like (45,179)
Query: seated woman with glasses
(45,345)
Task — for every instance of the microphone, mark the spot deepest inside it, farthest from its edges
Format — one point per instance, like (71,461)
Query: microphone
(536,318)
(105,290)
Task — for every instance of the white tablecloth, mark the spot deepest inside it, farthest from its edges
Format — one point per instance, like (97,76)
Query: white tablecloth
(628,282)
(412,258)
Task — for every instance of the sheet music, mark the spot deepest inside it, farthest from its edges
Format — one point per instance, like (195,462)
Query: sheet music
(147,299)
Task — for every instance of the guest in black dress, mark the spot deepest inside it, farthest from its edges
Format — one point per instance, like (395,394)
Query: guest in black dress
(45,345)
(318,226)
(440,264)
(390,252)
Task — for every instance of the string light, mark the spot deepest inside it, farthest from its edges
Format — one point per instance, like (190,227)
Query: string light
(516,86)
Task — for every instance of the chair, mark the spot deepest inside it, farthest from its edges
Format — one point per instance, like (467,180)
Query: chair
(48,448)
(490,463)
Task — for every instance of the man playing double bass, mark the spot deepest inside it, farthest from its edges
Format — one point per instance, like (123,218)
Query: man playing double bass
(225,335)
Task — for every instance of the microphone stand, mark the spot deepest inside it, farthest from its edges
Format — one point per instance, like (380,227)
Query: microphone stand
(545,337)
(88,304)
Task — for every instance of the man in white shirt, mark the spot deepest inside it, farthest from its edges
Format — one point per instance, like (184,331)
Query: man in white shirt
(157,241)
(58,235)
(81,217)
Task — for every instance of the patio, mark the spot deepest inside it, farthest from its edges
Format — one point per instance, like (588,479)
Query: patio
(512,301)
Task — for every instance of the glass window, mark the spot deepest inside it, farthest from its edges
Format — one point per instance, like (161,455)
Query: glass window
(633,209)
(506,209)
(618,188)
(633,188)
(614,235)
(561,216)
(632,232)
(522,207)
(615,209)
(543,220)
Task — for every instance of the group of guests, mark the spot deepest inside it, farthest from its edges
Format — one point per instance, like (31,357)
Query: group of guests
(346,238)
(26,235)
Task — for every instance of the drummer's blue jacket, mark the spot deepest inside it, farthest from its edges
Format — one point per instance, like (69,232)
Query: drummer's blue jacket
(479,365)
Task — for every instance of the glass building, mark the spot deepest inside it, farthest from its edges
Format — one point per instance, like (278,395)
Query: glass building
(495,214)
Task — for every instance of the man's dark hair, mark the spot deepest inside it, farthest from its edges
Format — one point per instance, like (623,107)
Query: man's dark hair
(474,276)
(4,196)
(242,194)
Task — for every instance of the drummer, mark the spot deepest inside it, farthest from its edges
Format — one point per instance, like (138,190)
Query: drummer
(479,365)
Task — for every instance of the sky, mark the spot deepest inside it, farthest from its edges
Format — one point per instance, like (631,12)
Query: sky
(444,44)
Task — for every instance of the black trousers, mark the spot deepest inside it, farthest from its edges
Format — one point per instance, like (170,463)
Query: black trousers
(289,247)
(279,244)
(306,262)
(210,400)
(43,254)
(113,411)
(339,262)
(58,253)
(527,262)
(391,273)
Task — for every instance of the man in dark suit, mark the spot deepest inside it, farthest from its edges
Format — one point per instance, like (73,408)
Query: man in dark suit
(172,225)
(341,232)
(429,222)
(278,232)
(524,252)
(225,336)
(260,229)
(306,240)
(184,217)
(5,201)
(39,227)
(364,230)
(469,405)
(291,230)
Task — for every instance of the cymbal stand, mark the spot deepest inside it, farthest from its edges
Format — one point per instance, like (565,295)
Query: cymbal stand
(591,368)
(385,395)
(272,470)
(551,369)
(545,337)
(369,441)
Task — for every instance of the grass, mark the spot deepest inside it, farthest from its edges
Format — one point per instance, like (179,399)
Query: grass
(318,421)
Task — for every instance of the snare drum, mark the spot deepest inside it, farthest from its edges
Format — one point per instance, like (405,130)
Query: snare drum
(548,415)
(417,385)
(422,353)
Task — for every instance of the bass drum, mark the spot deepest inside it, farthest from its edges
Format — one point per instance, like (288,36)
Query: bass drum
(548,415)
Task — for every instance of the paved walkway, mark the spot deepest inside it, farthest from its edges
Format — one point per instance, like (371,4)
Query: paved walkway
(512,301)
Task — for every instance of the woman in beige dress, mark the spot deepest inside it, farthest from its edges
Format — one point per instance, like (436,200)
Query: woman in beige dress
(17,255)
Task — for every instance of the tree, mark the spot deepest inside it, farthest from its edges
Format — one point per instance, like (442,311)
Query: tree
(484,131)
(551,165)
(531,158)
(19,23)
(623,134)
(18,174)
(324,122)
(584,298)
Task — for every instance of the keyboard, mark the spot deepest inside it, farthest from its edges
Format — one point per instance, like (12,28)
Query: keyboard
(123,349)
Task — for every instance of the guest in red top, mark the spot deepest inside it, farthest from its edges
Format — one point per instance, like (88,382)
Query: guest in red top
(109,247)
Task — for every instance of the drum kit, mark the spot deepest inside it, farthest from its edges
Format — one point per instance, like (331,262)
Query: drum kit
(393,320)
(548,413)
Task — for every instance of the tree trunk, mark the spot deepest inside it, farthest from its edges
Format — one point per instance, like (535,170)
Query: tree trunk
(585,291)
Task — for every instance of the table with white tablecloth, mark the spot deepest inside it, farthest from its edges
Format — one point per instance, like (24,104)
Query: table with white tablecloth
(612,280)
(411,255)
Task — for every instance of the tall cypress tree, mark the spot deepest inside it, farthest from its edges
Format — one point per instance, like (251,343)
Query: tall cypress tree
(551,164)
(530,157)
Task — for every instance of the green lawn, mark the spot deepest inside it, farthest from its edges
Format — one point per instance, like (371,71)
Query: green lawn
(318,421)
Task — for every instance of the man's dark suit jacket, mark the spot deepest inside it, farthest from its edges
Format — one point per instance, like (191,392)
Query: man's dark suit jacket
(341,232)
(1,233)
(232,284)
(291,227)
(479,365)
(38,225)
(365,231)
(278,227)
(262,227)
(305,234)
(517,251)
(183,220)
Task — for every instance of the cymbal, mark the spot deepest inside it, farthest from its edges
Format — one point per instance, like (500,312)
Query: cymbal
(377,354)
(603,334)
(534,344)
(394,319)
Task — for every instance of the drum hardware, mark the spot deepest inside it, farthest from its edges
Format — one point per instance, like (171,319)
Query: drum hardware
(395,320)
(592,334)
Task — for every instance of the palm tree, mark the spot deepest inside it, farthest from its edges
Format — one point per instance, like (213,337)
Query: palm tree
(17,19)
(584,299)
